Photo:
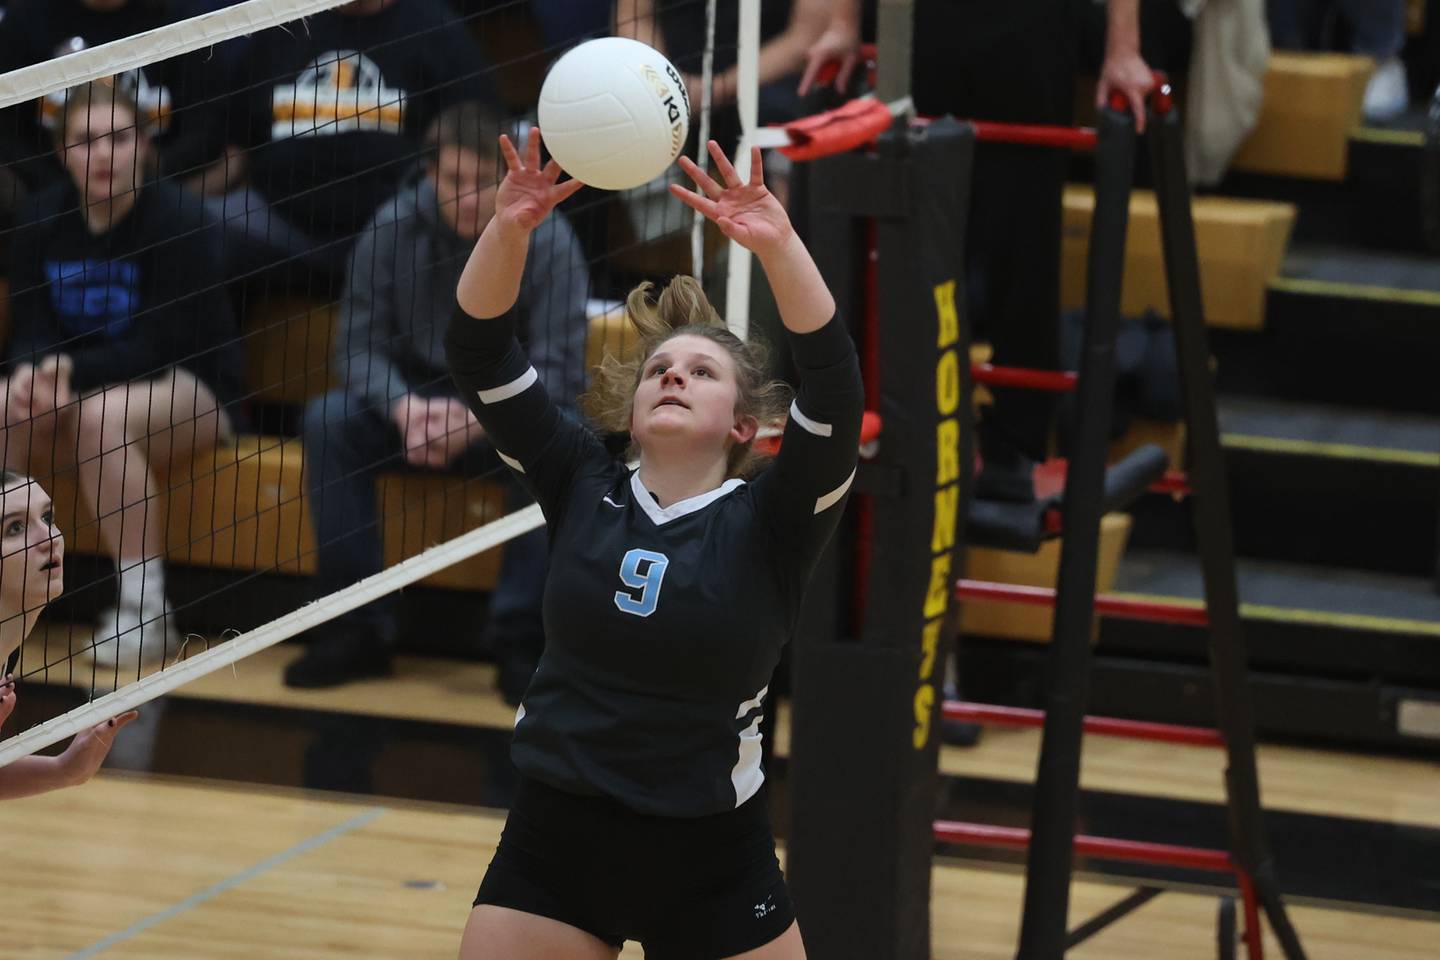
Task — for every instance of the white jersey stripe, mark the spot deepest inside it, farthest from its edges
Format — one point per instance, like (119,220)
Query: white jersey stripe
(510,462)
(519,385)
(747,774)
(812,426)
(833,497)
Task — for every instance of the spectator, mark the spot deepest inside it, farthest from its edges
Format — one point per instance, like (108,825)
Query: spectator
(124,349)
(788,28)
(1377,29)
(332,115)
(32,554)
(175,95)
(398,404)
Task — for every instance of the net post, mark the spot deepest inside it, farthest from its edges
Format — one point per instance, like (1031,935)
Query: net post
(894,31)
(1210,514)
(1051,853)
(868,698)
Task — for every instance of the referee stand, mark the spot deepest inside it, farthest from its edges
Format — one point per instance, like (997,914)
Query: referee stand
(888,232)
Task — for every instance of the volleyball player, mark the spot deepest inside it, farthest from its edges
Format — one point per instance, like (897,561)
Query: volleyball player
(32,555)
(641,813)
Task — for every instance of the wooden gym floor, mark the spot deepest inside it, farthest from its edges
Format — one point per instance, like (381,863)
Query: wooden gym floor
(149,864)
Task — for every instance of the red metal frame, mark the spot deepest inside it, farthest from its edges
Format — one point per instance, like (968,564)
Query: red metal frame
(1036,135)
(994,715)
(1106,605)
(1024,378)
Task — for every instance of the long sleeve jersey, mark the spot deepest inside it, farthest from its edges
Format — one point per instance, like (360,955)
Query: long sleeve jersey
(663,625)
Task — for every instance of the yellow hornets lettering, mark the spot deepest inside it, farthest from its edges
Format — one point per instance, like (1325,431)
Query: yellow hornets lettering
(947,503)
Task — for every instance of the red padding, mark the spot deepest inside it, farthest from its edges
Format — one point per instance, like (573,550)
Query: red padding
(1121,608)
(837,131)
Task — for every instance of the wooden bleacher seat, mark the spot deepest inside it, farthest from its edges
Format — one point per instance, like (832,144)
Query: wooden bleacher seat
(1312,101)
(1241,245)
(1039,569)
(243,507)
(287,349)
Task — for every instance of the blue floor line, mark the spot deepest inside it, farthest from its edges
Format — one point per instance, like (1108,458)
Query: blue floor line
(229,883)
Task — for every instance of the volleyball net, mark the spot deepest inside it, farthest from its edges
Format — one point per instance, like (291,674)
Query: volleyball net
(230,245)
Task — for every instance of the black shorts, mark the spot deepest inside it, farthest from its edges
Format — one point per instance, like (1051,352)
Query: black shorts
(698,888)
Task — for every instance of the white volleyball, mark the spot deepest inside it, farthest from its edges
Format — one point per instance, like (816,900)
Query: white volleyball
(614,113)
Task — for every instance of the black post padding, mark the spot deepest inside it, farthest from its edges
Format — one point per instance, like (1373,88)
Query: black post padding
(1050,857)
(1210,513)
(864,743)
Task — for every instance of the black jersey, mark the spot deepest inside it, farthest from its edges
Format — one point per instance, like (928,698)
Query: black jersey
(662,625)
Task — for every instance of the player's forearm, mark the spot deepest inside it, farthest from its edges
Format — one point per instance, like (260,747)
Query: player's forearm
(490,282)
(805,301)
(29,776)
(1122,33)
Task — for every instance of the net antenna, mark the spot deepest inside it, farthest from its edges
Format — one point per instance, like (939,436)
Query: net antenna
(747,95)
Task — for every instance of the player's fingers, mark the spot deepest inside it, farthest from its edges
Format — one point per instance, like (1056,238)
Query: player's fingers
(564,191)
(722,163)
(694,201)
(757,168)
(702,179)
(552,170)
(532,149)
(1138,96)
(847,67)
(115,724)
(507,150)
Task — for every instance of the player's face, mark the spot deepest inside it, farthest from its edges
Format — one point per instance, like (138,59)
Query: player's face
(104,151)
(688,392)
(32,549)
(465,185)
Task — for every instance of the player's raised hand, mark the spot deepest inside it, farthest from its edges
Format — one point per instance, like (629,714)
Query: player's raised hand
(529,191)
(746,212)
(7,700)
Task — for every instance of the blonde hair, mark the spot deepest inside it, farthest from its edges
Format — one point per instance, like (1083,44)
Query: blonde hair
(682,309)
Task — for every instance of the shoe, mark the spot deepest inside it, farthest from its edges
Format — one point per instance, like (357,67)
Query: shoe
(127,637)
(332,660)
(1387,95)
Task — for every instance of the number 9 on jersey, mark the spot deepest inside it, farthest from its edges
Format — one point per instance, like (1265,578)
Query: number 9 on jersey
(641,571)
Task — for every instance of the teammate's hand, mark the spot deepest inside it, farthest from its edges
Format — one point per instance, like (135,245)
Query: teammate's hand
(1126,72)
(839,44)
(89,748)
(529,192)
(450,428)
(747,213)
(7,699)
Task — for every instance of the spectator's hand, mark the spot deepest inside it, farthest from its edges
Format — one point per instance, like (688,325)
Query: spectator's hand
(18,390)
(56,370)
(451,428)
(409,416)
(89,748)
(839,44)
(745,212)
(1126,72)
(528,193)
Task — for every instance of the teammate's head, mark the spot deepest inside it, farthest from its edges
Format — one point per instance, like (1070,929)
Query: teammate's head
(100,142)
(693,384)
(461,163)
(32,549)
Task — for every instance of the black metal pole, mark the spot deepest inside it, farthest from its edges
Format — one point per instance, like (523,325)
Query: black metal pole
(1210,512)
(1057,783)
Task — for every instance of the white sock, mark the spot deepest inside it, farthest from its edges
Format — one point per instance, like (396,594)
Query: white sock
(142,585)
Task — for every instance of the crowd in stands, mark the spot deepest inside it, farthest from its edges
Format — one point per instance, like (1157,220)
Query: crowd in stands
(355,160)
